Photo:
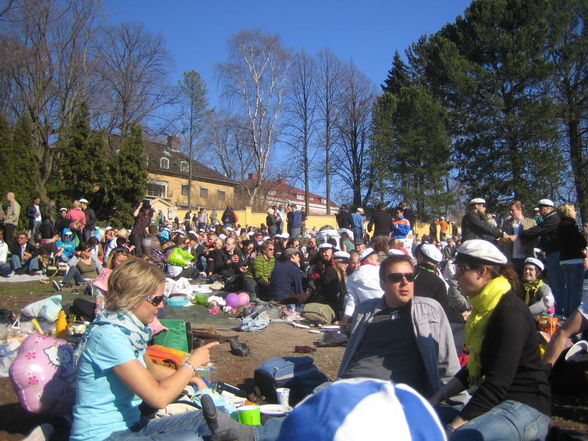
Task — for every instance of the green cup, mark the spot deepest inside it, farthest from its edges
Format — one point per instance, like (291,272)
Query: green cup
(249,415)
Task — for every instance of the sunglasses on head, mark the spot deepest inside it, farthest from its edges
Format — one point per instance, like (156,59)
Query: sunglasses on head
(397,277)
(155,300)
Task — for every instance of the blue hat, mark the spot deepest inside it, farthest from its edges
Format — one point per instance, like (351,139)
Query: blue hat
(363,409)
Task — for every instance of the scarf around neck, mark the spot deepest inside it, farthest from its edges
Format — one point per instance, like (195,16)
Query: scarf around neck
(483,306)
(530,291)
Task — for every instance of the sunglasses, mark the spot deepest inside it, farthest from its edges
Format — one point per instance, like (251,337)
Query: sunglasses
(397,277)
(155,301)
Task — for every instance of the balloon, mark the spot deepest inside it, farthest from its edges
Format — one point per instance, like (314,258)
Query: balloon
(179,257)
(243,299)
(232,300)
(43,375)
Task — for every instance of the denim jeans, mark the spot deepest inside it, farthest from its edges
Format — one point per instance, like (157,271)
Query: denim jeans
(295,234)
(73,274)
(5,269)
(556,281)
(508,421)
(573,277)
(29,267)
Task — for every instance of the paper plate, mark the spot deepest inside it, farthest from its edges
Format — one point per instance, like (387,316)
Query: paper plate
(274,409)
(201,289)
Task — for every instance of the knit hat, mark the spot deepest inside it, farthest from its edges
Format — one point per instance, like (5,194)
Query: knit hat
(363,409)
(481,252)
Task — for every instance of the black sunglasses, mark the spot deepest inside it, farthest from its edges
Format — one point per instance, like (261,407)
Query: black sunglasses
(155,301)
(397,277)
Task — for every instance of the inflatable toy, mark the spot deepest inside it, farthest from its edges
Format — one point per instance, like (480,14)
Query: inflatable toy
(232,300)
(244,299)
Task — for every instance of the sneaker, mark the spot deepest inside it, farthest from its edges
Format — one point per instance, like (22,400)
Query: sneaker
(56,285)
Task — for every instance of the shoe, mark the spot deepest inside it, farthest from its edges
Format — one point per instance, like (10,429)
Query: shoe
(37,273)
(239,348)
(56,285)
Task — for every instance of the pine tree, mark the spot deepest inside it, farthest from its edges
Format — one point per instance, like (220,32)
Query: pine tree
(5,157)
(126,180)
(398,76)
(80,163)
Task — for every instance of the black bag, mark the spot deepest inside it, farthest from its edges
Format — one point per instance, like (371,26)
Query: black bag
(299,374)
(83,308)
(570,377)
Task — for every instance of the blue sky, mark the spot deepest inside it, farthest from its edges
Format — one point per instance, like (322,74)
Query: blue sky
(367,31)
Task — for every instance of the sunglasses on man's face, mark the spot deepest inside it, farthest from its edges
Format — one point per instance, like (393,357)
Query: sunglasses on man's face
(397,277)
(461,268)
(154,300)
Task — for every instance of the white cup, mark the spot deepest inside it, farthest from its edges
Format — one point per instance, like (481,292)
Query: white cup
(283,394)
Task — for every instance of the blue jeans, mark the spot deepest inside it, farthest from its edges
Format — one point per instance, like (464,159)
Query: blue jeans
(573,277)
(73,274)
(556,281)
(295,234)
(5,269)
(29,267)
(187,427)
(508,421)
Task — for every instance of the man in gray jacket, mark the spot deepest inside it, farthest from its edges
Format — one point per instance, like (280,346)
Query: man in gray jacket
(400,337)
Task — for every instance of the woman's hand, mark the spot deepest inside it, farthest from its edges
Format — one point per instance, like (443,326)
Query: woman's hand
(201,356)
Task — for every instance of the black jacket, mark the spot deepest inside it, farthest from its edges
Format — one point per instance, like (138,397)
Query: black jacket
(473,226)
(428,284)
(30,248)
(220,266)
(546,232)
(382,222)
(571,241)
(344,219)
(90,218)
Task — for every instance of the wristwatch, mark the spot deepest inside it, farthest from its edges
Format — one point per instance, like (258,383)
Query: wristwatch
(189,366)
(449,429)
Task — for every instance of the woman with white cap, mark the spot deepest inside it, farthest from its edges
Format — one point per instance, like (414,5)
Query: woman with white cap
(534,291)
(512,400)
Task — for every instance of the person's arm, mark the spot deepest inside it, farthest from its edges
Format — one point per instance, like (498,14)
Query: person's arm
(453,387)
(159,393)
(572,326)
(481,227)
(138,210)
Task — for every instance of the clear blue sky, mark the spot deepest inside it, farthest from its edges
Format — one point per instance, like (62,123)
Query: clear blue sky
(368,31)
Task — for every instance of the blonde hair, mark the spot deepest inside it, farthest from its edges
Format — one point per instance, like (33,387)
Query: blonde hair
(76,204)
(130,282)
(566,210)
(124,233)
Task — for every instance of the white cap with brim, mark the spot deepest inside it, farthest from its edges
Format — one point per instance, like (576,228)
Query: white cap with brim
(83,201)
(396,252)
(366,253)
(432,253)
(63,209)
(341,255)
(325,245)
(545,203)
(534,261)
(348,231)
(480,251)
(222,236)
(284,235)
(477,201)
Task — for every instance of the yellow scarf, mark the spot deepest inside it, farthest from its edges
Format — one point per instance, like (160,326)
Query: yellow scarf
(482,307)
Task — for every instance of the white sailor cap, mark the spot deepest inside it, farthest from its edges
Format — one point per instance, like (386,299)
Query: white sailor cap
(536,262)
(545,203)
(366,253)
(431,252)
(480,251)
(478,201)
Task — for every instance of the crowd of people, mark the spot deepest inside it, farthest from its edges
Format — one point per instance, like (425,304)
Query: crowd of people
(451,314)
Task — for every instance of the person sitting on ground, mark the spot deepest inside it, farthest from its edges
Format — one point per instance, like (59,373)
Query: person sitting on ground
(323,260)
(400,337)
(333,288)
(354,262)
(513,394)
(5,268)
(286,279)
(24,257)
(534,291)
(258,275)
(427,282)
(115,374)
(227,261)
(83,267)
(363,284)
(66,245)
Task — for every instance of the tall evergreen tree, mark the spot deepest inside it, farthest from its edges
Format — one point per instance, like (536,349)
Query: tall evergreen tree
(5,156)
(126,180)
(398,76)
(382,140)
(80,163)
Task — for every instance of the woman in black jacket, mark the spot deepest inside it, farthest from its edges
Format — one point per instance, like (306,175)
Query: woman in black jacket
(512,400)
(572,245)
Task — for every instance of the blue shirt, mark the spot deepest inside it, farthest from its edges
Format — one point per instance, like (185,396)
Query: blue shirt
(104,404)
(286,280)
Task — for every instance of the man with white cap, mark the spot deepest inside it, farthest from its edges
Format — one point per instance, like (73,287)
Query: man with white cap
(546,233)
(362,284)
(474,226)
(513,246)
(322,261)
(427,283)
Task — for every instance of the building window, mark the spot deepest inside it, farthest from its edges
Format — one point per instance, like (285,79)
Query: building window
(164,163)
(185,189)
(221,195)
(203,192)
(157,189)
(184,166)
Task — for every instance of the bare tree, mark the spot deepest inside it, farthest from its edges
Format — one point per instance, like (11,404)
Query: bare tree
(45,68)
(329,88)
(300,115)
(254,76)
(133,68)
(351,159)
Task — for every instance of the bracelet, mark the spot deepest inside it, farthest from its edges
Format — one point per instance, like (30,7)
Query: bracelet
(189,366)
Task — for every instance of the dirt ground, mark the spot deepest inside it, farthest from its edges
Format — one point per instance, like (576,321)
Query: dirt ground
(278,340)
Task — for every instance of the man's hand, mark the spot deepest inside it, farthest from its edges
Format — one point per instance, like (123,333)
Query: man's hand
(26,256)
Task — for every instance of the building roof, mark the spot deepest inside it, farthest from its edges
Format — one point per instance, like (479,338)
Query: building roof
(281,190)
(170,150)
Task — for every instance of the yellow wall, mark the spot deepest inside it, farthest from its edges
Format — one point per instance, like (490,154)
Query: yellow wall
(248,217)
(174,191)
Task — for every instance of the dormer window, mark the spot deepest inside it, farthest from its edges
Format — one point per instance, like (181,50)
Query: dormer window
(184,166)
(164,163)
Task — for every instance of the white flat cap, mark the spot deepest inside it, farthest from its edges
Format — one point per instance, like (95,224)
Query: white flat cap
(536,262)
(366,253)
(545,203)
(478,201)
(431,252)
(480,251)
(396,252)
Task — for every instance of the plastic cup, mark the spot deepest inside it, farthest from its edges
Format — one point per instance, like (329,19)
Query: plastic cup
(249,415)
(283,394)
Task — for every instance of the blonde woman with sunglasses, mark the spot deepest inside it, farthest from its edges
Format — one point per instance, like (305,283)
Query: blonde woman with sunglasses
(115,374)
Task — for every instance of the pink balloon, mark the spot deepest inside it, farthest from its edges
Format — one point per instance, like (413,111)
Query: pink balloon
(232,300)
(43,375)
(243,299)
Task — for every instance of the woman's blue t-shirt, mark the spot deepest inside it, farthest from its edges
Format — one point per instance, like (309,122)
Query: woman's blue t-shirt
(104,404)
